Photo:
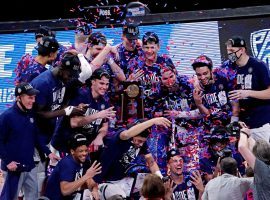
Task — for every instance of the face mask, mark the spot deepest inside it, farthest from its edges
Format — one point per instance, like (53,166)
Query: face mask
(233,57)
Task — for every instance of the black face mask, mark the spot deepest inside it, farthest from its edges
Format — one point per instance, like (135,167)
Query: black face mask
(233,57)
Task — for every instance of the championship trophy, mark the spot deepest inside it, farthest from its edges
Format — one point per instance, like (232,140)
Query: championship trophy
(131,101)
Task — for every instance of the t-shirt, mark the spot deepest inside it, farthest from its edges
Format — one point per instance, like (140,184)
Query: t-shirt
(185,191)
(64,131)
(261,180)
(68,170)
(226,187)
(254,76)
(118,157)
(215,98)
(51,96)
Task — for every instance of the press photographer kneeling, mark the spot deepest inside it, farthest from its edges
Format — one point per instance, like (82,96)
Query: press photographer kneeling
(218,147)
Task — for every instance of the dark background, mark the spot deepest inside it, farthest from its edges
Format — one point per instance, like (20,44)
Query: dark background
(24,10)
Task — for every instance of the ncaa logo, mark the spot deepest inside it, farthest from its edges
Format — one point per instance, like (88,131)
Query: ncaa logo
(260,45)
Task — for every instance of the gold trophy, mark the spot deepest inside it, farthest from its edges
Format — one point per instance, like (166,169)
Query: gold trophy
(131,101)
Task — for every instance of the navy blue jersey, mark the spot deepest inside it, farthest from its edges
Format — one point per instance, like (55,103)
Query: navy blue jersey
(64,131)
(95,106)
(215,98)
(254,76)
(68,170)
(117,157)
(150,80)
(51,97)
(185,191)
(127,57)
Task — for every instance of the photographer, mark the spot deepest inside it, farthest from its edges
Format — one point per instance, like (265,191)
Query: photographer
(259,160)
(218,148)
(228,185)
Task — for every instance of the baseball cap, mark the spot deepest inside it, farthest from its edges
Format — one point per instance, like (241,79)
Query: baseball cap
(98,73)
(111,191)
(83,29)
(44,31)
(71,62)
(25,88)
(97,38)
(201,61)
(131,31)
(236,41)
(150,37)
(47,44)
(172,153)
(217,134)
(77,141)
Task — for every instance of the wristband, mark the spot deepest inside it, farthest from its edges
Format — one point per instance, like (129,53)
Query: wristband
(68,110)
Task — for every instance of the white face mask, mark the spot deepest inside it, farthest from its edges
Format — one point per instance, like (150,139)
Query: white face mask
(233,56)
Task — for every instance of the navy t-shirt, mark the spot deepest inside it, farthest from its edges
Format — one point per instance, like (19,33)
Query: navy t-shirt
(51,96)
(185,191)
(68,170)
(150,80)
(64,131)
(254,76)
(215,98)
(118,157)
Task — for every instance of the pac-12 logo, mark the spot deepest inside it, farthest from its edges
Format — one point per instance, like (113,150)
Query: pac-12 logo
(260,45)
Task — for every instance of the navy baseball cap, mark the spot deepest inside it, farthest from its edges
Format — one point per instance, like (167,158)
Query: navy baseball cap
(83,29)
(77,141)
(172,153)
(97,38)
(150,37)
(98,73)
(44,31)
(25,88)
(236,41)
(131,31)
(72,63)
(47,44)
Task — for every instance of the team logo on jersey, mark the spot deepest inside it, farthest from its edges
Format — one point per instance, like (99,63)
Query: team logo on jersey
(220,87)
(260,45)
(102,106)
(250,70)
(31,120)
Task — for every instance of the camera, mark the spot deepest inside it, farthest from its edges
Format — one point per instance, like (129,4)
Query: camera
(234,129)
(21,168)
(165,179)
(225,153)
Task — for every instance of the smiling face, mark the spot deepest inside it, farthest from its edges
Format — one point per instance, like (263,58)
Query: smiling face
(150,50)
(204,74)
(100,86)
(175,165)
(27,101)
(80,153)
